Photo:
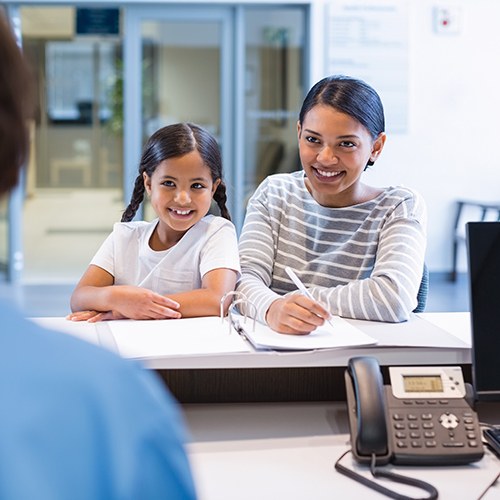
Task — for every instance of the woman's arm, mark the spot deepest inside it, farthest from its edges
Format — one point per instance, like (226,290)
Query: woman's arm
(292,313)
(390,293)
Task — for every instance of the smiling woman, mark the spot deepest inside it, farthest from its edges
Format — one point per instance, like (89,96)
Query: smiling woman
(182,263)
(359,249)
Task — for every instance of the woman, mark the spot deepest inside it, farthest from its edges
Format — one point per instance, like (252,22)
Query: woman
(359,249)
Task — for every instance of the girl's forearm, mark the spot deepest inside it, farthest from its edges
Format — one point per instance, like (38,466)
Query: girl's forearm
(92,298)
(200,302)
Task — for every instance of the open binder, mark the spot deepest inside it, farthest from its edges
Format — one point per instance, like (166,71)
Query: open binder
(335,334)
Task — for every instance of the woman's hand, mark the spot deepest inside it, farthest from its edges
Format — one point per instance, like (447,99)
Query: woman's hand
(296,315)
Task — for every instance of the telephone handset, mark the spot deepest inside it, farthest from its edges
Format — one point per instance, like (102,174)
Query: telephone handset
(422,418)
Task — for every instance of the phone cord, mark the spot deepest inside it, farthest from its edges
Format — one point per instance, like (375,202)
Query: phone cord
(398,478)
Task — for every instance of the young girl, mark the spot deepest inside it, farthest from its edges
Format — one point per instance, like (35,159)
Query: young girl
(180,264)
(359,249)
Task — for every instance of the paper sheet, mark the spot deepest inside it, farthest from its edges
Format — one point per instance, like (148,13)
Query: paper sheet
(339,334)
(455,323)
(416,332)
(176,337)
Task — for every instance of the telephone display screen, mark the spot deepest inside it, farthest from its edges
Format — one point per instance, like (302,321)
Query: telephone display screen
(422,383)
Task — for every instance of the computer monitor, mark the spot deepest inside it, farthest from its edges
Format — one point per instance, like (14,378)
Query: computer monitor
(483,253)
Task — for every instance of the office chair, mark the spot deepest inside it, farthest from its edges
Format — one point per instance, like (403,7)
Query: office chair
(423,291)
(481,211)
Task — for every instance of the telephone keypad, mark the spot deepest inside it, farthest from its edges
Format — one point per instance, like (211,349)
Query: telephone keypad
(431,427)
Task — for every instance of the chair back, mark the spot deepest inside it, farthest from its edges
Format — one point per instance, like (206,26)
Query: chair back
(423,291)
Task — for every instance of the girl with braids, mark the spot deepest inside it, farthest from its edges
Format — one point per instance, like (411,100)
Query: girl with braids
(183,262)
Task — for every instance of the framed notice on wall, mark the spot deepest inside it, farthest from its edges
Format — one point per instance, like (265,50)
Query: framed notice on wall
(369,40)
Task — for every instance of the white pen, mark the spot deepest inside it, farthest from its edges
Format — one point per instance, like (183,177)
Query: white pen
(302,287)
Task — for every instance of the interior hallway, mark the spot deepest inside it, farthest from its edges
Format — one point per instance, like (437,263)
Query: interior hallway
(53,300)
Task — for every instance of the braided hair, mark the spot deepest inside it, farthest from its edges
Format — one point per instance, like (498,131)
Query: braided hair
(172,141)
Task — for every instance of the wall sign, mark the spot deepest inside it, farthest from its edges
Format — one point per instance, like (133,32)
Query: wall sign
(369,40)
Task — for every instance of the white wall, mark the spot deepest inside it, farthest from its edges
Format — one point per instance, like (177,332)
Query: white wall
(450,150)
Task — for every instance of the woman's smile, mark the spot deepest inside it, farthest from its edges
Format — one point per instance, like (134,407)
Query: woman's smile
(327,175)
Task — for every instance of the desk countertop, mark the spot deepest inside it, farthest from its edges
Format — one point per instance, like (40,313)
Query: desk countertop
(270,451)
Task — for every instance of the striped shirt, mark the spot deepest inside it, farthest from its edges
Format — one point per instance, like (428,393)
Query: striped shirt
(364,261)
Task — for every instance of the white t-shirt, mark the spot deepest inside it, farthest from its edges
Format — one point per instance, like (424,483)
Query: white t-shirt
(210,244)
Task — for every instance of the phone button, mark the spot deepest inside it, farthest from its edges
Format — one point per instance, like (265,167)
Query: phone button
(448,420)
(456,444)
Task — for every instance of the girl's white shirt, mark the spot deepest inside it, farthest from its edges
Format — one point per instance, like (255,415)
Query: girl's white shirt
(210,244)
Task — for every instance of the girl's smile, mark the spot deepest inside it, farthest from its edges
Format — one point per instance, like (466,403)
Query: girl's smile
(182,214)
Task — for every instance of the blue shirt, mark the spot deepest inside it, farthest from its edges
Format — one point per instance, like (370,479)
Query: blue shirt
(78,422)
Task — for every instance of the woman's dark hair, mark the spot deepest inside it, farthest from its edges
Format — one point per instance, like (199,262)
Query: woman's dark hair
(350,96)
(15,105)
(173,141)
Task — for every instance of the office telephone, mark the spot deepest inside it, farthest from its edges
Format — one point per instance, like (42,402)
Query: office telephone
(421,418)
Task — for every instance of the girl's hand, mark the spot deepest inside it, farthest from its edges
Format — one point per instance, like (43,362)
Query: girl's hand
(131,302)
(296,315)
(94,316)
(82,315)
(134,302)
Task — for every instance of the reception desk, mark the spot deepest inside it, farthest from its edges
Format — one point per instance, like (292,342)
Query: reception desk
(313,375)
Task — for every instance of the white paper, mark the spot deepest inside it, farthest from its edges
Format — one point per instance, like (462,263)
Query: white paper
(82,329)
(455,323)
(175,337)
(339,334)
(416,332)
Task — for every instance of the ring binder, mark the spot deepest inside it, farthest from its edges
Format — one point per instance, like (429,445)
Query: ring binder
(233,322)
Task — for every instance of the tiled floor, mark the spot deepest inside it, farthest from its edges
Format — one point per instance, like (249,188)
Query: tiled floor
(53,300)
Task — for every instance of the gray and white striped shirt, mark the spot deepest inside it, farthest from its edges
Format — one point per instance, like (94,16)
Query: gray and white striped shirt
(364,261)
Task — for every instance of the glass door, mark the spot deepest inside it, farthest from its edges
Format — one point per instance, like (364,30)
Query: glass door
(177,69)
(274,40)
(71,194)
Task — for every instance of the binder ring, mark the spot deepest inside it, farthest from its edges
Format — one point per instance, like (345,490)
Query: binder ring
(234,322)
(241,296)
